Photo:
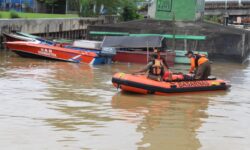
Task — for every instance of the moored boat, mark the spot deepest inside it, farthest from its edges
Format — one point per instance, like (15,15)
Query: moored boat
(14,37)
(20,36)
(141,57)
(93,46)
(173,56)
(39,50)
(141,84)
(105,53)
(134,49)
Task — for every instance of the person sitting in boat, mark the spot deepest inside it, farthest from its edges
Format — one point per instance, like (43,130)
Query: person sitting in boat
(167,76)
(156,67)
(158,53)
(200,65)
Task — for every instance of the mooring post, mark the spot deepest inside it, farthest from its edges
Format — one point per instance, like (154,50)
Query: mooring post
(243,37)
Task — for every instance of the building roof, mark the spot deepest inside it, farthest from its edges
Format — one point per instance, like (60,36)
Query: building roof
(132,41)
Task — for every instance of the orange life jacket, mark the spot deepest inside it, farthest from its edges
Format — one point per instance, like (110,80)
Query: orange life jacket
(197,60)
(200,59)
(157,67)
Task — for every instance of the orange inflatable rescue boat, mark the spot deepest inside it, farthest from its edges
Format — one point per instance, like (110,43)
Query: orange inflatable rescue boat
(141,84)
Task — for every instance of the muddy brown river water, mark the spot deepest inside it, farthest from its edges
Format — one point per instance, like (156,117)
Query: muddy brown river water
(66,106)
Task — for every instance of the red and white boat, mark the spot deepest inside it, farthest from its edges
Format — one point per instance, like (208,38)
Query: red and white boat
(37,49)
(14,37)
(20,36)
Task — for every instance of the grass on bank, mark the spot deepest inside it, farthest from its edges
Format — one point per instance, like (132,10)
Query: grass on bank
(7,15)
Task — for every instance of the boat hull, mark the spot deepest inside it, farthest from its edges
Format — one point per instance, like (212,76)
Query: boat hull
(13,37)
(140,57)
(140,84)
(36,50)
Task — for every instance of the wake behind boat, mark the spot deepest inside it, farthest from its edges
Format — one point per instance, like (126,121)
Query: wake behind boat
(36,49)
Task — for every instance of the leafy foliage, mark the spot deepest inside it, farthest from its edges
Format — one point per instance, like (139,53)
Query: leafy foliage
(89,8)
(216,19)
(48,1)
(14,14)
(129,11)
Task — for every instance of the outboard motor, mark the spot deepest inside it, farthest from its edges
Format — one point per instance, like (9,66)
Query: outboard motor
(108,52)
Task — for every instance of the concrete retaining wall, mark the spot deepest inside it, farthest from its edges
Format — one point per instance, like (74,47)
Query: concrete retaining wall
(37,26)
(223,42)
(72,28)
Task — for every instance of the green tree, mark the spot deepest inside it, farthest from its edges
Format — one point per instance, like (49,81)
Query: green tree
(83,4)
(92,7)
(129,11)
(111,6)
(51,3)
(89,8)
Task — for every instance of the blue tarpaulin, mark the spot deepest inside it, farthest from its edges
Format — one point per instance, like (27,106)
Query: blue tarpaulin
(16,4)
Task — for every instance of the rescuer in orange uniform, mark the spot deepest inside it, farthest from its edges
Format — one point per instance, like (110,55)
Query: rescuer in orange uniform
(200,65)
(157,67)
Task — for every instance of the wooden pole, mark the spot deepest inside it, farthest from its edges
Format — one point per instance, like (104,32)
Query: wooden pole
(147,52)
(174,32)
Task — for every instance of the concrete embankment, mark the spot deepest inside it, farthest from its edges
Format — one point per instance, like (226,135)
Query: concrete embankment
(73,28)
(221,41)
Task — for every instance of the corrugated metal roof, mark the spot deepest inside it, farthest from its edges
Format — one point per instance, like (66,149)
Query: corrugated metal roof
(133,42)
(108,33)
(168,36)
